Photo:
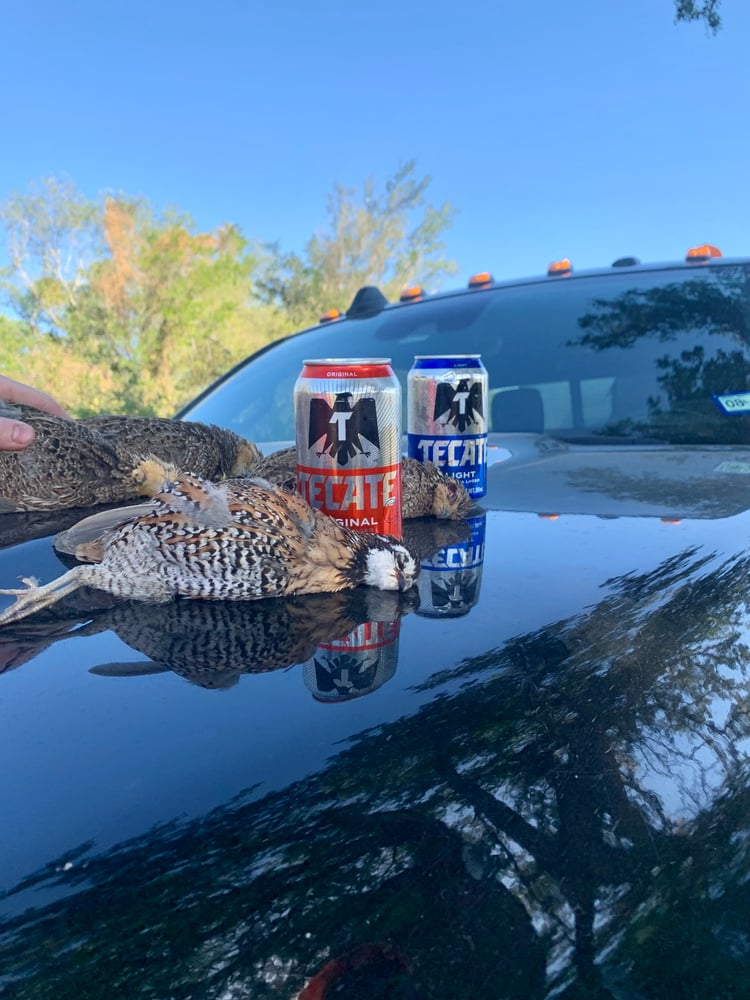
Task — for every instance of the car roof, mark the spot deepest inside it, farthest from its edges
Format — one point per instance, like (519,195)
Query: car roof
(630,264)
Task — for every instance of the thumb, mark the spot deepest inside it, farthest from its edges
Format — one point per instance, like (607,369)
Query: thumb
(15,435)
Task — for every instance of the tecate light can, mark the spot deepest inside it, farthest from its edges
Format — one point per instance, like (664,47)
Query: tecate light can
(348,433)
(449,581)
(447,422)
(356,665)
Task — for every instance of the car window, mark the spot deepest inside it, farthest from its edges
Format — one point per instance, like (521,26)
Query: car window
(636,355)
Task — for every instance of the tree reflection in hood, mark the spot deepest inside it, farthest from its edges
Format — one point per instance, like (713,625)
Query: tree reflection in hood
(567,816)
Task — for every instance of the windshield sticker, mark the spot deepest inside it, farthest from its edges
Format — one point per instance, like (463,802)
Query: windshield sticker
(736,402)
(736,468)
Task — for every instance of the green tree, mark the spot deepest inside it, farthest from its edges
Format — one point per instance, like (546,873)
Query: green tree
(53,234)
(692,10)
(390,238)
(122,310)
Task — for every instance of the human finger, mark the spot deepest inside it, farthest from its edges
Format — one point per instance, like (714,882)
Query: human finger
(14,434)
(16,392)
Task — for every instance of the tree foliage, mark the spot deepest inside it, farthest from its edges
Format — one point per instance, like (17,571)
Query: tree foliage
(120,309)
(390,238)
(692,10)
(53,234)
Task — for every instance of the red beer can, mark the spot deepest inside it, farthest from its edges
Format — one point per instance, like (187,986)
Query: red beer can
(356,665)
(347,417)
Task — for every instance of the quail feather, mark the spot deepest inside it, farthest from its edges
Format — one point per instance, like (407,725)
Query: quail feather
(85,539)
(241,540)
(82,463)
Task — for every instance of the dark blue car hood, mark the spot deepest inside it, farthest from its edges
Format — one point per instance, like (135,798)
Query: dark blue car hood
(543,791)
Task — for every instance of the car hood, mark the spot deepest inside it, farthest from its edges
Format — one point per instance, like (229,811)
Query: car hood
(527,776)
(530,472)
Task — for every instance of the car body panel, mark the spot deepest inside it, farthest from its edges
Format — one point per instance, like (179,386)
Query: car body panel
(128,777)
(526,778)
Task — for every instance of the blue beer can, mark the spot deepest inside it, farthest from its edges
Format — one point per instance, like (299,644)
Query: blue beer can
(447,416)
(450,580)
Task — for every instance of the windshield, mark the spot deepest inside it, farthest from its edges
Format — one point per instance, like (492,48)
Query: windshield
(657,355)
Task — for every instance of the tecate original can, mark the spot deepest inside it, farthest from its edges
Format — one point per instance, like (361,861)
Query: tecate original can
(347,417)
(356,665)
(447,423)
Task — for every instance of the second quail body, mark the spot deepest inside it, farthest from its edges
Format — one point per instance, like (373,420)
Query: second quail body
(207,450)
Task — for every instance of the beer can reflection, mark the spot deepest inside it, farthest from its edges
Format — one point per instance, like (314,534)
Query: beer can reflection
(356,665)
(449,581)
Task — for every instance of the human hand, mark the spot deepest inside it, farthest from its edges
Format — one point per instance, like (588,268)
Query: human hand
(15,435)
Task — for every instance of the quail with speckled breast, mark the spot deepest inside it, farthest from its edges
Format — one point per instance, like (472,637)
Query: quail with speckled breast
(81,463)
(226,541)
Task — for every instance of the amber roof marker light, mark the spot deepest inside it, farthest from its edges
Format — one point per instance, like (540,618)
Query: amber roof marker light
(411,294)
(559,268)
(483,279)
(706,251)
(329,316)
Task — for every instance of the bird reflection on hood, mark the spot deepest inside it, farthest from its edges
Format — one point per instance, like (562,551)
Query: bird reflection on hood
(211,643)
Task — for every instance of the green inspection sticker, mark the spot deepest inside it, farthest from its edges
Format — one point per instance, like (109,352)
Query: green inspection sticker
(735,402)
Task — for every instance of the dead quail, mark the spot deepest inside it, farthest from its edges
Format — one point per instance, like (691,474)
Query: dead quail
(83,540)
(207,450)
(428,492)
(71,463)
(425,490)
(226,542)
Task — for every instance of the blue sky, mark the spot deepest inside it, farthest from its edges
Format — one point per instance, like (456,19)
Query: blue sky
(589,130)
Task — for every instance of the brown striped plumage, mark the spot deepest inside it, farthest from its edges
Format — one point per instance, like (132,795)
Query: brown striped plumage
(227,541)
(80,463)
(83,540)
(207,450)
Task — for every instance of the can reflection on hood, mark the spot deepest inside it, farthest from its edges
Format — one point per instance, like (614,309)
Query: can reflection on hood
(356,665)
(450,580)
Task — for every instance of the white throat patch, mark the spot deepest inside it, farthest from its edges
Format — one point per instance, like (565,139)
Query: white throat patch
(381,570)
